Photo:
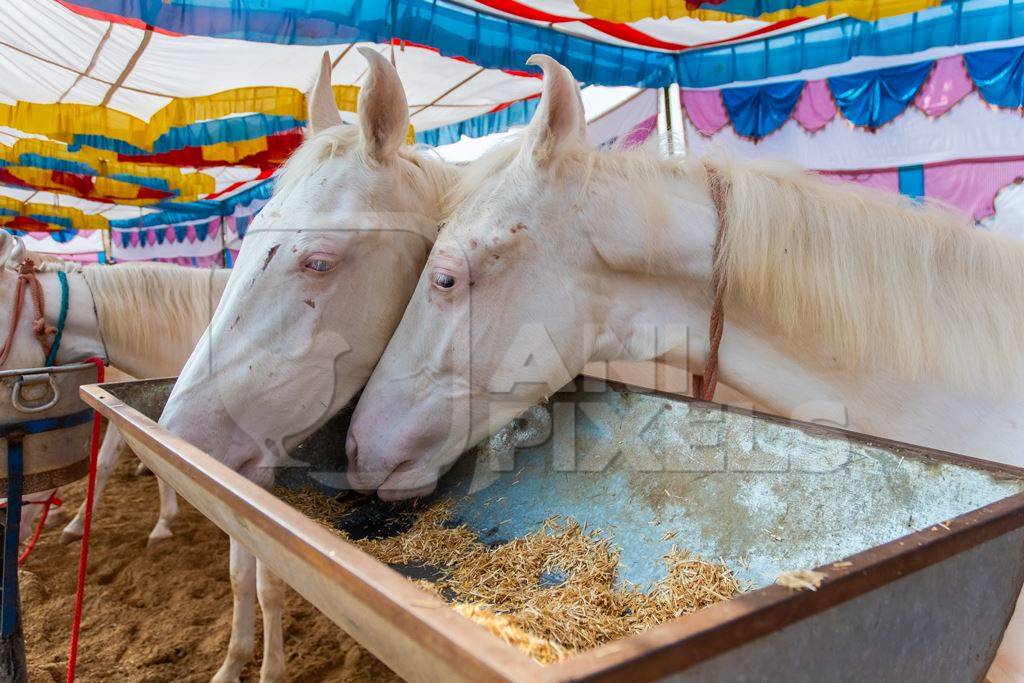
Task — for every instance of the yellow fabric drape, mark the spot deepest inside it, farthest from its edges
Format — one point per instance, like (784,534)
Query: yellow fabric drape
(79,220)
(61,121)
(623,11)
(188,185)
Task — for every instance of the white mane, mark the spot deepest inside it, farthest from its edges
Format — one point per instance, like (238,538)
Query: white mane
(140,305)
(875,278)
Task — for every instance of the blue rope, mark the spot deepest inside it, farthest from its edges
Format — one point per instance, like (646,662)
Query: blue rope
(47,424)
(51,359)
(9,597)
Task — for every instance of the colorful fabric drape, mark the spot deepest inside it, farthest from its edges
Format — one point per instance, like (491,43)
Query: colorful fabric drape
(972,129)
(767,10)
(140,130)
(755,112)
(998,75)
(869,99)
(875,98)
(478,33)
(970,187)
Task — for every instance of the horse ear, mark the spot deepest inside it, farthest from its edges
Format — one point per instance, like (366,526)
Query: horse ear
(323,112)
(559,121)
(383,109)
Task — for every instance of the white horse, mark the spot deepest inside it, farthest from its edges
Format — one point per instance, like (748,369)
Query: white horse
(904,316)
(144,318)
(320,285)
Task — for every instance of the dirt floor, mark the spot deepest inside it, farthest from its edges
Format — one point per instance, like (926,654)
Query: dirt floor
(159,614)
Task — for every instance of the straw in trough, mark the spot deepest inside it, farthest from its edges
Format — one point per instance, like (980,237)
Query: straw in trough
(551,593)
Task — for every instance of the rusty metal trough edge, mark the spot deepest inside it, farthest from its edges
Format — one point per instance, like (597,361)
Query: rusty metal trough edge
(456,648)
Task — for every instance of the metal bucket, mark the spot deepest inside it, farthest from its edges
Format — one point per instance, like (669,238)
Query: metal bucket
(41,406)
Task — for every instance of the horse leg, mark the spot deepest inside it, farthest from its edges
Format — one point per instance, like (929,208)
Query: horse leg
(168,511)
(106,463)
(243,617)
(270,591)
(29,513)
(1008,666)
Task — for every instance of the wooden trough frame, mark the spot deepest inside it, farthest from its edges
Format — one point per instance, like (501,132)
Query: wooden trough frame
(771,634)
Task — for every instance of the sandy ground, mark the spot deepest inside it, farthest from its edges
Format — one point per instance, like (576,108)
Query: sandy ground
(159,614)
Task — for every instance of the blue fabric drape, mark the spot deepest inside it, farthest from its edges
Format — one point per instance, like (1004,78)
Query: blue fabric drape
(874,98)
(497,42)
(63,235)
(760,110)
(455,30)
(234,129)
(517,114)
(998,75)
(181,212)
(53,220)
(911,181)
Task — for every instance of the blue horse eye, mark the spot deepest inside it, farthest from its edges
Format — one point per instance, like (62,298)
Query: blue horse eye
(443,280)
(319,265)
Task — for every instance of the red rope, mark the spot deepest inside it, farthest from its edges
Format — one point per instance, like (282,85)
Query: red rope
(704,385)
(52,501)
(76,624)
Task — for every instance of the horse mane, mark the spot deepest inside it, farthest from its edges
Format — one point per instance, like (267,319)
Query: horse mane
(870,275)
(873,276)
(140,305)
(433,180)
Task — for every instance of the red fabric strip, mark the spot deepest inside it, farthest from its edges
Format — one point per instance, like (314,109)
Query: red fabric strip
(114,18)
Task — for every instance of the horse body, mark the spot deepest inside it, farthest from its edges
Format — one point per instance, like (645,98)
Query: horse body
(143,318)
(841,304)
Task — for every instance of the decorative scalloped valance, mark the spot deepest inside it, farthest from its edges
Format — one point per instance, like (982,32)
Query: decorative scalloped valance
(868,99)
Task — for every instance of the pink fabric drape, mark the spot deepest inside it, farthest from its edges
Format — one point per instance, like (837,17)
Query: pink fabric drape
(885,179)
(971,186)
(815,107)
(639,133)
(947,85)
(705,109)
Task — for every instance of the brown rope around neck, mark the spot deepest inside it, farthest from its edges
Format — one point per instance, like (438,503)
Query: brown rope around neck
(27,278)
(704,385)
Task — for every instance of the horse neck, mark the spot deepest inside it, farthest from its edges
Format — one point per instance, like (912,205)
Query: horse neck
(80,337)
(151,319)
(952,284)
(797,381)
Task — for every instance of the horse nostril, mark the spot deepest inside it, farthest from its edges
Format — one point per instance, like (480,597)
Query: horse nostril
(351,450)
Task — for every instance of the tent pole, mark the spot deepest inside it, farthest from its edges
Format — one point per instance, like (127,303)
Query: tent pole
(668,120)
(225,254)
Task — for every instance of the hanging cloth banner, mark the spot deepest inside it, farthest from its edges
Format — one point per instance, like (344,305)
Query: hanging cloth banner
(956,107)
(756,112)
(869,99)
(998,75)
(874,98)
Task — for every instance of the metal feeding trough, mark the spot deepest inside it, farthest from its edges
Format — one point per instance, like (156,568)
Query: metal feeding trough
(922,551)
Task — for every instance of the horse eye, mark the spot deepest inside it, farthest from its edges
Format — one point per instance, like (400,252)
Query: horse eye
(319,265)
(442,280)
